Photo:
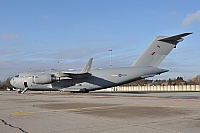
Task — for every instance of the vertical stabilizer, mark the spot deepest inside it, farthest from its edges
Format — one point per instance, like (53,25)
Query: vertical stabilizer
(160,47)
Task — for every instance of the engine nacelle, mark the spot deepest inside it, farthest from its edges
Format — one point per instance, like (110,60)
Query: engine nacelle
(44,78)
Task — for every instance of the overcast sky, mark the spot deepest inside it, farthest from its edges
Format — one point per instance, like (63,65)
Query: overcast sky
(64,34)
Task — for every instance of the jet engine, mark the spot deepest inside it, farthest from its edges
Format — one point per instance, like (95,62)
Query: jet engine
(44,78)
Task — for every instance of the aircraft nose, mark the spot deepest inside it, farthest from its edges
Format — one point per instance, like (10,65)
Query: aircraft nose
(12,81)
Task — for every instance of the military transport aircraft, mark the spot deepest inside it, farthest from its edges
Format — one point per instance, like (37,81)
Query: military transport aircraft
(90,80)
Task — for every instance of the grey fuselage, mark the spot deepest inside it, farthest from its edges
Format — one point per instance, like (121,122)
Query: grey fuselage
(99,79)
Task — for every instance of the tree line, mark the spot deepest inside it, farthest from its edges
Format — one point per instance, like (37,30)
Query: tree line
(5,84)
(175,81)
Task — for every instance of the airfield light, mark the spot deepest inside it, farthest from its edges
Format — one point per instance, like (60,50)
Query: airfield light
(110,58)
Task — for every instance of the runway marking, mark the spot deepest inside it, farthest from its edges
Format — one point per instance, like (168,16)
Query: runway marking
(84,109)
(21,113)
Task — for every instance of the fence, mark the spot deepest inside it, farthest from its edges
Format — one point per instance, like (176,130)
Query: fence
(178,88)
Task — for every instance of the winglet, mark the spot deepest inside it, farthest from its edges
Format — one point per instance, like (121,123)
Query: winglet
(174,39)
(87,67)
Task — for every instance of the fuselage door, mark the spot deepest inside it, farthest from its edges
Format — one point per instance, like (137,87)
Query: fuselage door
(25,84)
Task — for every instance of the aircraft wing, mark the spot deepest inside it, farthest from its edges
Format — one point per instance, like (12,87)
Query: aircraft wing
(82,74)
(76,75)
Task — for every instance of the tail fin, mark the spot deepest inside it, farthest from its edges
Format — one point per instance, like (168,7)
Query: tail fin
(158,50)
(87,66)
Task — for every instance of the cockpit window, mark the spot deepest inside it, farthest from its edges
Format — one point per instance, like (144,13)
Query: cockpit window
(16,76)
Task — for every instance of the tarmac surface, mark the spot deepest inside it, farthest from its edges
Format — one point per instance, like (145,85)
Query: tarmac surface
(61,112)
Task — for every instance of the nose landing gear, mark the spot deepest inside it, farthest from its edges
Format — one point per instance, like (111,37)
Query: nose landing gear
(25,89)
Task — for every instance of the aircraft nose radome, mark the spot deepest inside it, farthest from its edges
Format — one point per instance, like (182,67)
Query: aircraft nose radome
(12,81)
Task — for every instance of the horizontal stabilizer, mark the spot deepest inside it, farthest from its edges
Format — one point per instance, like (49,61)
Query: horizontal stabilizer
(174,39)
(147,76)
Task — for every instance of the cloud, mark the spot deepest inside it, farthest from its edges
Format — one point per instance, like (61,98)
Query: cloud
(6,51)
(191,18)
(9,37)
(76,53)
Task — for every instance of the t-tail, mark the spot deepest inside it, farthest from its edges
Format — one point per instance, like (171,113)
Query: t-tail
(160,47)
